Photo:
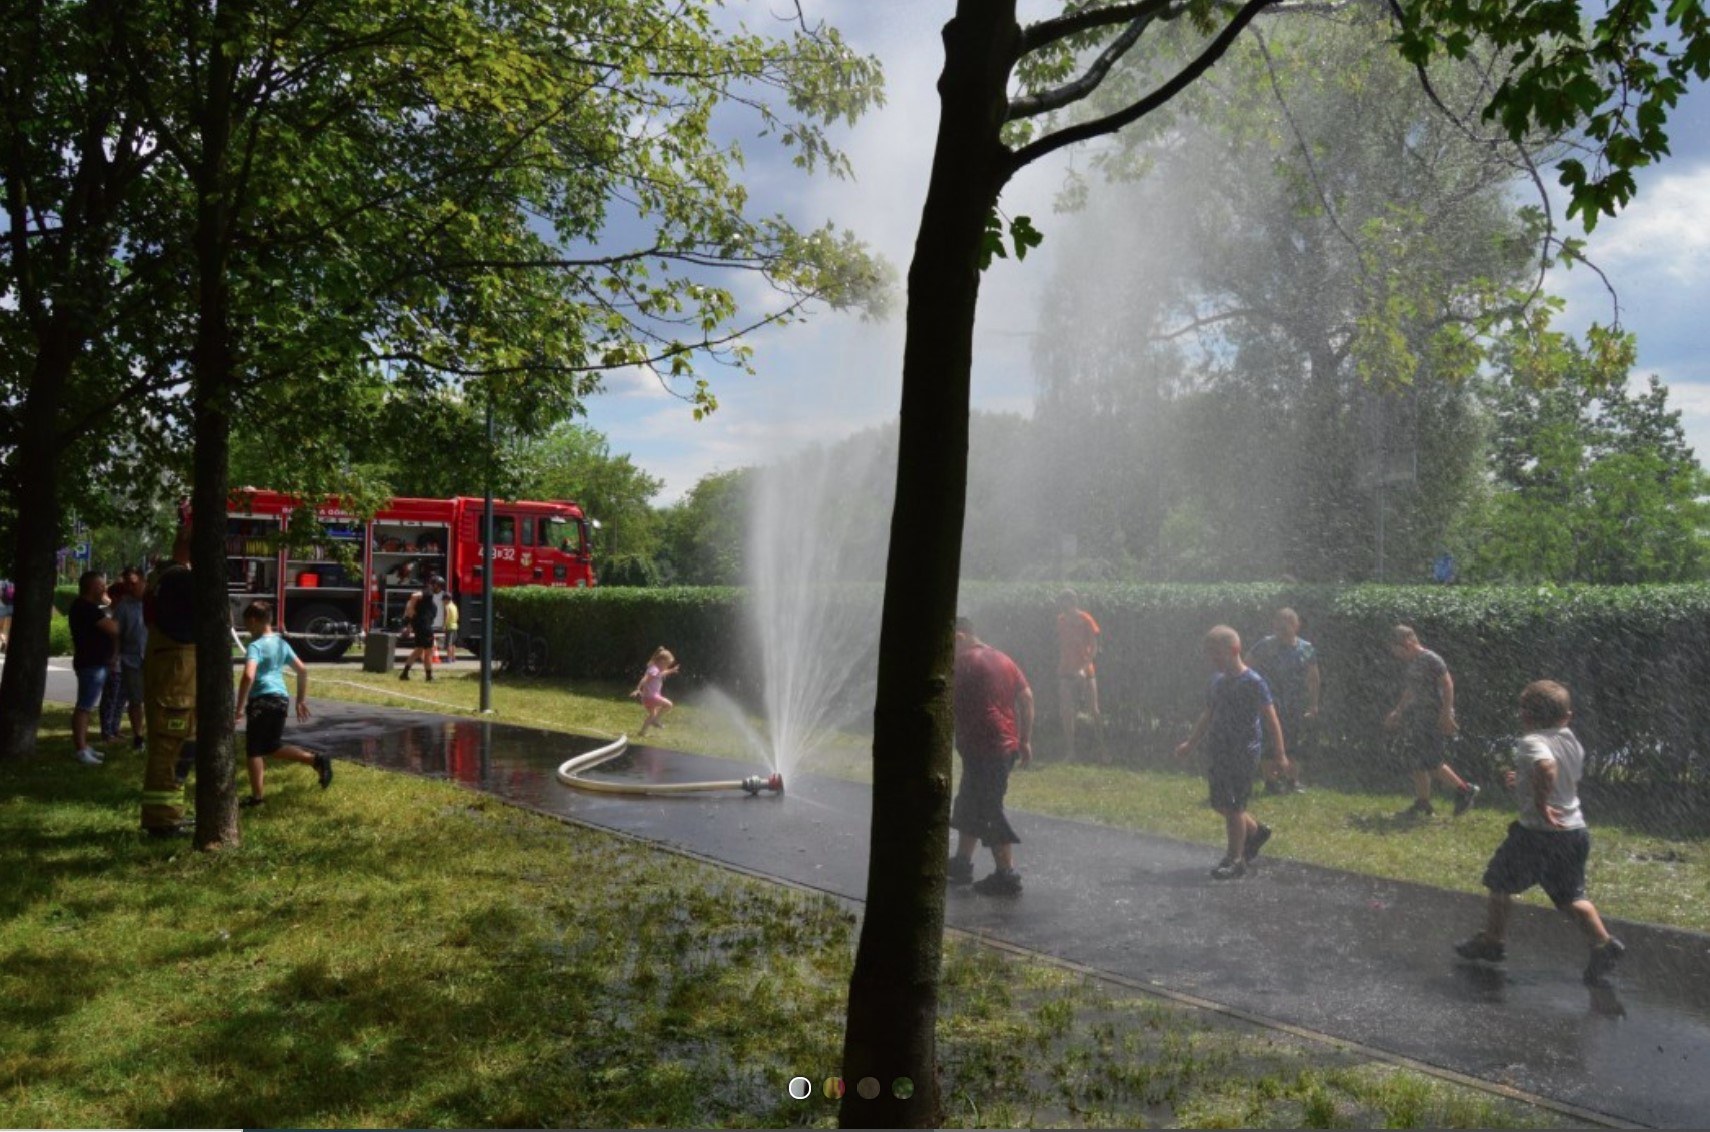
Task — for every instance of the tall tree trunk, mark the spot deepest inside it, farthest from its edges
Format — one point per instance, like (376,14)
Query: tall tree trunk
(212,382)
(893,993)
(35,543)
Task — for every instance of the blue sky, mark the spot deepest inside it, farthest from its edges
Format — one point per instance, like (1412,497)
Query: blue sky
(836,374)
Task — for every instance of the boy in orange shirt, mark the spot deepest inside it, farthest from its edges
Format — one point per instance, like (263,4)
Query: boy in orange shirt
(1077,674)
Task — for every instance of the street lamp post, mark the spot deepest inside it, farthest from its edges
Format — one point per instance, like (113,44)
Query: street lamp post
(487,571)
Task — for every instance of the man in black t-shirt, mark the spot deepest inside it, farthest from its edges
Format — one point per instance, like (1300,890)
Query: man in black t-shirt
(94,640)
(1423,721)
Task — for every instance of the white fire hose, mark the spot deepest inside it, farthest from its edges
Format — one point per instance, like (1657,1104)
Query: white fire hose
(570,774)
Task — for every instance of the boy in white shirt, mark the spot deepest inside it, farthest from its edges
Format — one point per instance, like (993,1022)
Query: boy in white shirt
(1549,844)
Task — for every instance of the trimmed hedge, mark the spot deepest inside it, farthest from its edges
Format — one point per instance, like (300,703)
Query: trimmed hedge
(607,633)
(1636,657)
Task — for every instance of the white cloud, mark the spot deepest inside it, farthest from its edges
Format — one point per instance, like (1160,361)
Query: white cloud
(1666,230)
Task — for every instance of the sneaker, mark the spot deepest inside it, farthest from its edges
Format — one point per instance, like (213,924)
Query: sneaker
(1465,799)
(430,676)
(88,757)
(1482,948)
(404,675)
(1295,788)
(1272,786)
(1229,870)
(959,871)
(1256,842)
(182,829)
(250,802)
(1602,963)
(1004,882)
(1419,809)
(137,743)
(323,770)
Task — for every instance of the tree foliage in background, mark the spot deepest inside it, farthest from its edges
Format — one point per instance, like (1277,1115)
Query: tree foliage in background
(703,538)
(1329,254)
(1591,482)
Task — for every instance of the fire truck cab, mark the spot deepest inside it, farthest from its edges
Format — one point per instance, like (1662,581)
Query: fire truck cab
(353,575)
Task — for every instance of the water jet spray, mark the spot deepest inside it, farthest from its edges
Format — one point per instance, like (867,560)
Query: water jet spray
(570,774)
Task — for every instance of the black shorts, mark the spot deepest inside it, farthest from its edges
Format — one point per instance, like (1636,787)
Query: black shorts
(1424,748)
(266,731)
(423,635)
(1231,783)
(978,810)
(1552,859)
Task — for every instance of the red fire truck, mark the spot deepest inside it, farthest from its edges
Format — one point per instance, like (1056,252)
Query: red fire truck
(355,575)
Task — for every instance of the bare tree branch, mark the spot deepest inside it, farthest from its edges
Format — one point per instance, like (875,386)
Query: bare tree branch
(1047,100)
(1045,32)
(1133,112)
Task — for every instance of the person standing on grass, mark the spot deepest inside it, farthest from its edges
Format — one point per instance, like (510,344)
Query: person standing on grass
(1289,665)
(1238,706)
(133,636)
(420,614)
(1423,721)
(1548,845)
(651,689)
(1077,673)
(449,608)
(263,703)
(994,730)
(94,640)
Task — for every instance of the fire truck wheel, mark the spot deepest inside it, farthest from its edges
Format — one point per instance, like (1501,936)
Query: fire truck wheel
(318,632)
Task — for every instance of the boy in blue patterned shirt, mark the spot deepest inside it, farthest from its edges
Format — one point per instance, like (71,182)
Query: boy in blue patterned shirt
(1238,705)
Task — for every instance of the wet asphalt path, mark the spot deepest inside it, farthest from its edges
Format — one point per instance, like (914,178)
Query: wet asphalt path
(1360,959)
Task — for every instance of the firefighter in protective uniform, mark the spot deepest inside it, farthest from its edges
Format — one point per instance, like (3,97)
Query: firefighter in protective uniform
(169,690)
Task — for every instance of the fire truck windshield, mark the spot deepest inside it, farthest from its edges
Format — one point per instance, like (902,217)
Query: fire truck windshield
(563,534)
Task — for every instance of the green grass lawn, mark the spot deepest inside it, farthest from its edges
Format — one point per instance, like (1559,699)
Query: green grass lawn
(402,952)
(1635,874)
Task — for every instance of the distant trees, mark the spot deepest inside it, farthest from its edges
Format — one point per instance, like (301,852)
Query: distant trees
(1590,482)
(1329,255)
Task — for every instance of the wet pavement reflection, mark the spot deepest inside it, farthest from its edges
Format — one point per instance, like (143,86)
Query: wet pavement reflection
(1362,959)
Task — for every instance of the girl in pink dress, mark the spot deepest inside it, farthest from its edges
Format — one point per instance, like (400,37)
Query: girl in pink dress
(651,690)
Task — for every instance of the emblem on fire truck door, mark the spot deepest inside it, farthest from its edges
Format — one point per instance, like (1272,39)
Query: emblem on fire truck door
(527,558)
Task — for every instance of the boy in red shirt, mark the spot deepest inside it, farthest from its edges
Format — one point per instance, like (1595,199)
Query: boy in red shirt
(994,728)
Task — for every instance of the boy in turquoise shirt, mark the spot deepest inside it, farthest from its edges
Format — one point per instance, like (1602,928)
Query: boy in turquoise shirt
(262,691)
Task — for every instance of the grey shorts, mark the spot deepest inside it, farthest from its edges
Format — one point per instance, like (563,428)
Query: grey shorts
(1423,748)
(133,684)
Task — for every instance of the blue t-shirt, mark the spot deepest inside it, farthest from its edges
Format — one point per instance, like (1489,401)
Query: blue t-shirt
(1235,734)
(271,655)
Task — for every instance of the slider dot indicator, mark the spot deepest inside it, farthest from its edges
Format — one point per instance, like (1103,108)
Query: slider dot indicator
(902,1088)
(834,1088)
(868,1088)
(800,1088)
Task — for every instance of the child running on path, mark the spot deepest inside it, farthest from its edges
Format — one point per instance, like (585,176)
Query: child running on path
(262,692)
(1549,844)
(651,690)
(1238,704)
